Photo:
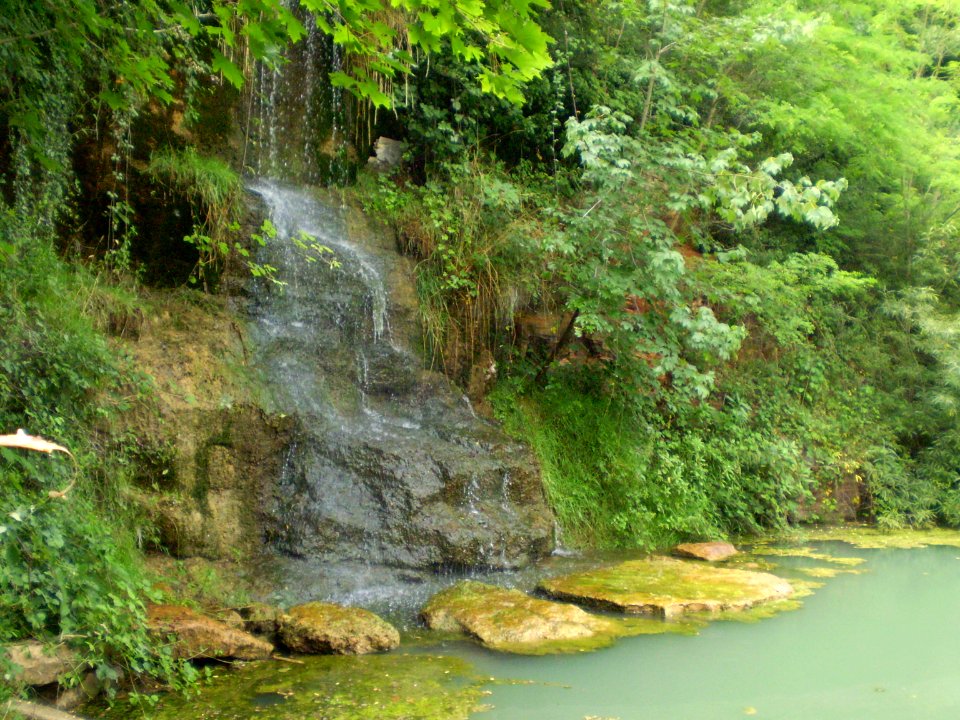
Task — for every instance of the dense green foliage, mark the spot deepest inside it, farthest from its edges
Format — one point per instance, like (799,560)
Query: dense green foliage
(714,257)
(67,572)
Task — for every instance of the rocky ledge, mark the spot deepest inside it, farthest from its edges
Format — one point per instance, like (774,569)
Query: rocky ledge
(667,588)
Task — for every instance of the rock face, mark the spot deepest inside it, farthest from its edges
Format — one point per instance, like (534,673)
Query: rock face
(512,620)
(389,463)
(198,636)
(709,551)
(667,588)
(388,154)
(39,664)
(324,628)
(207,453)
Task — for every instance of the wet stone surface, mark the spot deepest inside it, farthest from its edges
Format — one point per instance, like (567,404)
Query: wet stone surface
(389,463)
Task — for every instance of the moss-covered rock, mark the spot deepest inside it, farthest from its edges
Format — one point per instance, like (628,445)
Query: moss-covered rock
(514,621)
(325,628)
(667,588)
(199,636)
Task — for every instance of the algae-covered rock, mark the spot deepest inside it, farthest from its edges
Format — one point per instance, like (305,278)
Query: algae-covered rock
(666,588)
(198,636)
(512,620)
(325,628)
(709,551)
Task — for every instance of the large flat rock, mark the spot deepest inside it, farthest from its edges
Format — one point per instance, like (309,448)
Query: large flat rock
(667,588)
(514,621)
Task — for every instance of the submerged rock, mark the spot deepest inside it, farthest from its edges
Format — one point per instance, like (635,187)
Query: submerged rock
(512,620)
(666,588)
(710,551)
(325,628)
(199,636)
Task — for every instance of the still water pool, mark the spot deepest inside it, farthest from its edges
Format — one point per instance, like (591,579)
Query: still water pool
(882,644)
(878,645)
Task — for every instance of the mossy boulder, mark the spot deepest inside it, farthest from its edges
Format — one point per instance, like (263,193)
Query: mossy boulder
(514,621)
(709,551)
(199,636)
(667,588)
(325,628)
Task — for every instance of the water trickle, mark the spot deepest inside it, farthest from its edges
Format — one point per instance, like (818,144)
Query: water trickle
(390,465)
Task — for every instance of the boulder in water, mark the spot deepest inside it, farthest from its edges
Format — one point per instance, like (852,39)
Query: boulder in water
(709,551)
(325,628)
(511,620)
(667,588)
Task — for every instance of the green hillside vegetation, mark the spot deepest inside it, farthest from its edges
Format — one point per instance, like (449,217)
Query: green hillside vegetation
(712,249)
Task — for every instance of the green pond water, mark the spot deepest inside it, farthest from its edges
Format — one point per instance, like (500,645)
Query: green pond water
(883,643)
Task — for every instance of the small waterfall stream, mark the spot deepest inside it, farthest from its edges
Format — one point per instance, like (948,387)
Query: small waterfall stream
(390,467)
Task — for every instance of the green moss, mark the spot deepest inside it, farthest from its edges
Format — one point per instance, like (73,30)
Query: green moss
(874,538)
(512,621)
(369,687)
(807,552)
(821,571)
(801,589)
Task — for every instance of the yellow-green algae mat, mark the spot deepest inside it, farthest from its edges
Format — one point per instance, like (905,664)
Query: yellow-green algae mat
(668,588)
(871,538)
(513,621)
(332,687)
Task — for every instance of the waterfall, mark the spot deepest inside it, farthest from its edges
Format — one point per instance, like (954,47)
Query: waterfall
(390,465)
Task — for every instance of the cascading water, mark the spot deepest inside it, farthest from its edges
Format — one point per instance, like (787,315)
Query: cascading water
(390,466)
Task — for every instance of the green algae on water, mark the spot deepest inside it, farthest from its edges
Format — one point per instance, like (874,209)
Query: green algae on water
(806,552)
(871,538)
(365,687)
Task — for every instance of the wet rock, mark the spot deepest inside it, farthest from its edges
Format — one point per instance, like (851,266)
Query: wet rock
(667,588)
(198,636)
(389,154)
(512,620)
(389,463)
(710,551)
(324,628)
(261,619)
(88,688)
(231,618)
(40,664)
